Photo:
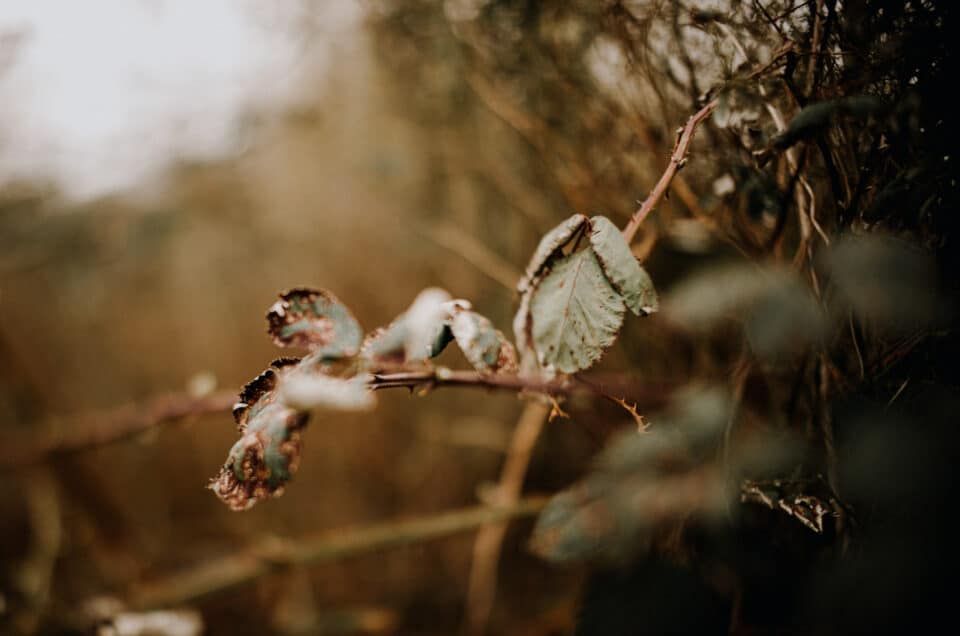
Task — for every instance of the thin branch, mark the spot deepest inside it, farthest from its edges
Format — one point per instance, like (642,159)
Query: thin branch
(482,588)
(826,424)
(815,47)
(228,572)
(679,157)
(36,569)
(486,261)
(535,132)
(649,395)
(115,425)
(631,409)
(677,160)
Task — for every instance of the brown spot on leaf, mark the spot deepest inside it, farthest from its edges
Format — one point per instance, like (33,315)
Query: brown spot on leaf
(314,319)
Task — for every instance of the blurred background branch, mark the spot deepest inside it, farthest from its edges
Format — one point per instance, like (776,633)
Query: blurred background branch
(222,574)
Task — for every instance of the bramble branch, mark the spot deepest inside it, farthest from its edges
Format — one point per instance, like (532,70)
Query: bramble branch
(648,395)
(231,571)
(100,428)
(120,423)
(677,160)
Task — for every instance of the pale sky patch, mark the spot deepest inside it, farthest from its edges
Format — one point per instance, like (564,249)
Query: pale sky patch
(101,95)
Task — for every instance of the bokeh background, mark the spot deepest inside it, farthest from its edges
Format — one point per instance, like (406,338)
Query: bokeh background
(167,167)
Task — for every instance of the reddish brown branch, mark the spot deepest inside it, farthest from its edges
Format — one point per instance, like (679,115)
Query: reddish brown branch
(677,159)
(114,425)
(121,423)
(648,395)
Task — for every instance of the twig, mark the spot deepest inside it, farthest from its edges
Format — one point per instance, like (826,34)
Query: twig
(805,217)
(826,425)
(482,587)
(677,161)
(740,375)
(476,253)
(648,395)
(856,347)
(903,385)
(534,131)
(117,424)
(815,47)
(631,409)
(36,570)
(224,573)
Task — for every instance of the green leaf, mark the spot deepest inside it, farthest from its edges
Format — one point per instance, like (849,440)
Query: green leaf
(551,242)
(268,451)
(484,346)
(574,526)
(808,122)
(575,313)
(642,483)
(316,320)
(816,117)
(779,313)
(621,267)
(886,281)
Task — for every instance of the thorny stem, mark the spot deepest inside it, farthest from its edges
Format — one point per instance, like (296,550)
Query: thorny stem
(647,394)
(677,159)
(100,428)
(680,149)
(231,571)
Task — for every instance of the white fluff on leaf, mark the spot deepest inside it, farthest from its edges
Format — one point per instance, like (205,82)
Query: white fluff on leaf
(307,392)
(424,319)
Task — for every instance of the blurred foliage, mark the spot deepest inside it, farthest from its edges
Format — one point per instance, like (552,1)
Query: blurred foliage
(805,257)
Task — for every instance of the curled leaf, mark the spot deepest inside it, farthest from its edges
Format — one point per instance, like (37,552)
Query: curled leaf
(268,452)
(427,324)
(795,499)
(522,336)
(575,313)
(421,332)
(808,122)
(549,245)
(484,346)
(259,392)
(621,267)
(316,320)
